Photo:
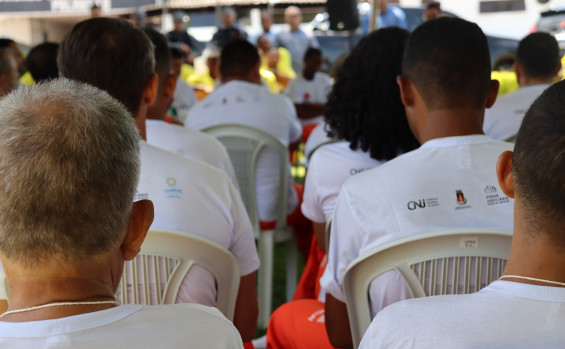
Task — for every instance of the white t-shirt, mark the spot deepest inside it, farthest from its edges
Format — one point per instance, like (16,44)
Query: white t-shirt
(183,99)
(313,91)
(127,326)
(330,166)
(504,118)
(250,104)
(448,183)
(190,144)
(194,197)
(504,314)
(317,137)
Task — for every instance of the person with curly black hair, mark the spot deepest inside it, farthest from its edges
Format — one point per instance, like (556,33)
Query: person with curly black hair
(366,114)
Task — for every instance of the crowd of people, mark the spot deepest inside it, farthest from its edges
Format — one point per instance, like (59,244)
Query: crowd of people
(91,150)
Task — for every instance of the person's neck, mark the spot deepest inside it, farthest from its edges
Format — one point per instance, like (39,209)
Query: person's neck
(240,78)
(451,123)
(525,81)
(155,112)
(44,286)
(294,29)
(534,254)
(308,75)
(140,118)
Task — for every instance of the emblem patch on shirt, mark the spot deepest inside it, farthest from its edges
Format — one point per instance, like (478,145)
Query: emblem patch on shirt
(422,203)
(493,198)
(461,201)
(172,191)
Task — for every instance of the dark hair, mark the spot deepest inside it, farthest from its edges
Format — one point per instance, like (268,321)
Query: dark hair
(238,57)
(538,55)
(312,51)
(364,106)
(176,52)
(539,159)
(162,55)
(42,61)
(432,4)
(448,61)
(5,42)
(111,54)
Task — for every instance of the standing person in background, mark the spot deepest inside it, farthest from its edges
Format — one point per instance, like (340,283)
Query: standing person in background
(295,40)
(432,10)
(309,92)
(230,29)
(537,65)
(180,38)
(266,23)
(391,16)
(8,72)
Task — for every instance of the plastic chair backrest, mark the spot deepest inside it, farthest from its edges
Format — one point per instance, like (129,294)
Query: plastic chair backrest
(447,262)
(165,258)
(244,143)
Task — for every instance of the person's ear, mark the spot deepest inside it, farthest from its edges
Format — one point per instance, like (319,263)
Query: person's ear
(492,93)
(504,173)
(170,86)
(150,92)
(558,69)
(139,222)
(517,70)
(406,94)
(255,73)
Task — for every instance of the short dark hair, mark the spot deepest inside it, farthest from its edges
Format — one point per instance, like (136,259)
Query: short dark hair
(42,61)
(6,42)
(111,54)
(538,55)
(539,160)
(176,52)
(448,61)
(162,55)
(238,57)
(432,4)
(312,51)
(364,106)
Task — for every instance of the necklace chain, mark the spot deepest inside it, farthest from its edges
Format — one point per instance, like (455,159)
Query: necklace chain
(532,279)
(54,305)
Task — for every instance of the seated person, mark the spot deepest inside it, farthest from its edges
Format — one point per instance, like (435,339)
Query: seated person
(184,97)
(526,307)
(309,91)
(372,131)
(42,62)
(243,100)
(204,78)
(65,234)
(445,87)
(277,60)
(175,138)
(537,65)
(189,196)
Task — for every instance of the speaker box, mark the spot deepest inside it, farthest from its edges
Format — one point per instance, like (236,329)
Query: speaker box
(343,14)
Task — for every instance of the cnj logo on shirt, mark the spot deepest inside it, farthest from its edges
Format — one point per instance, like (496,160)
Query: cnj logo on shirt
(171,191)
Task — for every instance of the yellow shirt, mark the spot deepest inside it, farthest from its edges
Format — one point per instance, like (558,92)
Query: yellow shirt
(270,79)
(27,79)
(507,80)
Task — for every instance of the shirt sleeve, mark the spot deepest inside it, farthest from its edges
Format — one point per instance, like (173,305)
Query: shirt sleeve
(311,201)
(345,244)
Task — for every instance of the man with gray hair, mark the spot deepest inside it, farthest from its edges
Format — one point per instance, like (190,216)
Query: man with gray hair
(8,71)
(72,153)
(295,40)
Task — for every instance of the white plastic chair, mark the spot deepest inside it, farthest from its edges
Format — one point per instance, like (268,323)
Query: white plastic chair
(165,258)
(448,262)
(244,143)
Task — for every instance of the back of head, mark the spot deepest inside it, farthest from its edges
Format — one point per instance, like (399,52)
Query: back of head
(6,42)
(7,61)
(162,55)
(42,61)
(238,58)
(539,163)
(311,52)
(364,106)
(538,55)
(448,61)
(110,54)
(69,159)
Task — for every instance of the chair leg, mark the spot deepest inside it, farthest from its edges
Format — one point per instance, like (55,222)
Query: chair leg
(291,266)
(266,251)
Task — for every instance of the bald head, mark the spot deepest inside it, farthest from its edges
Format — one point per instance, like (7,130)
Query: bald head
(293,16)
